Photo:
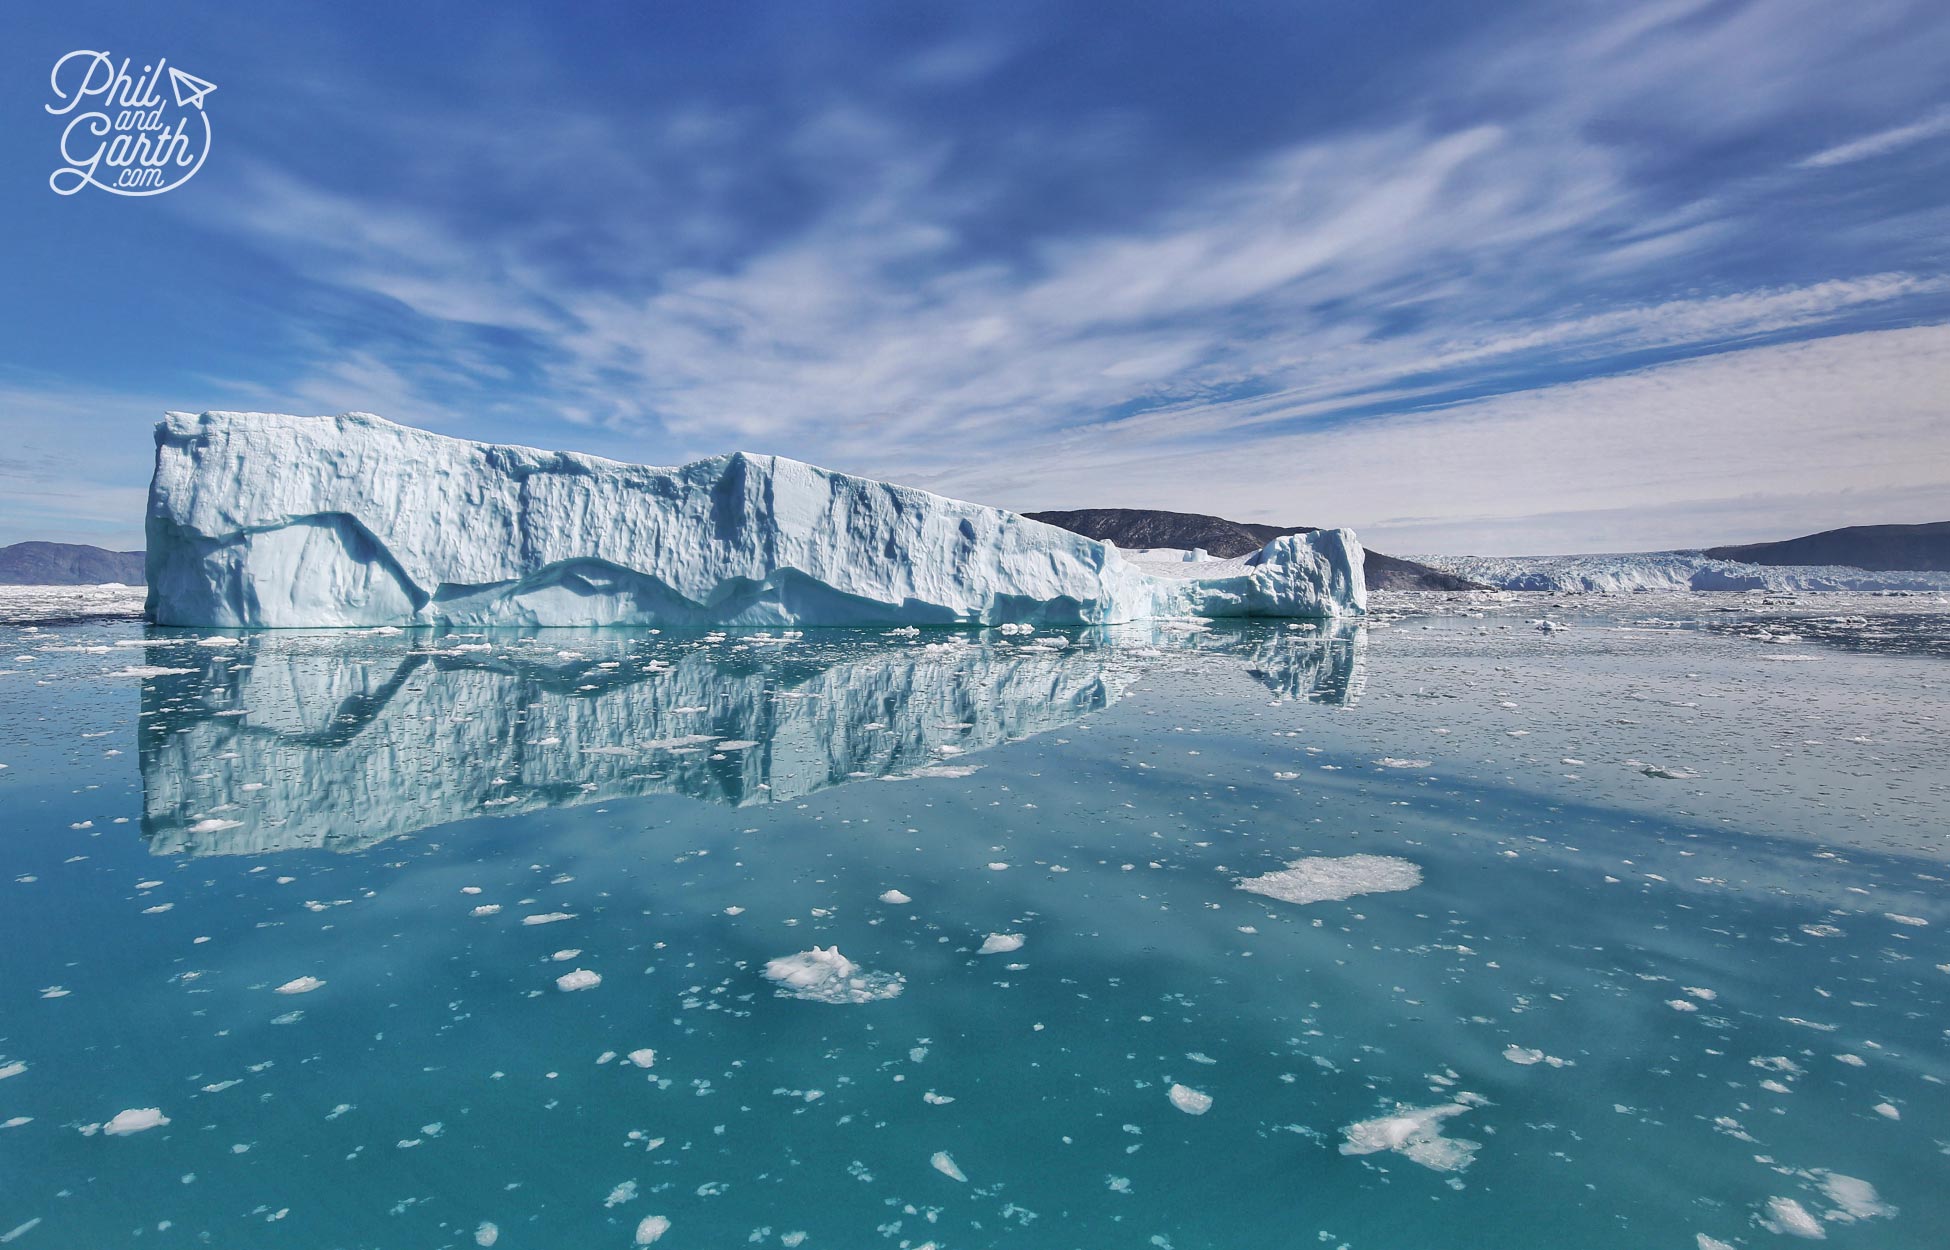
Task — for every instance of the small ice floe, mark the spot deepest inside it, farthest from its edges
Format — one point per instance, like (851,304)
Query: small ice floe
(1887,1111)
(1853,1198)
(1664,773)
(566,954)
(625,1192)
(15,1068)
(487,1233)
(823,975)
(135,1120)
(642,1058)
(485,909)
(1526,1057)
(1001,943)
(652,1227)
(1682,1004)
(1189,1100)
(1548,626)
(149,670)
(1389,761)
(895,898)
(299,985)
(579,979)
(1916,921)
(945,1164)
(1790,1218)
(1416,1134)
(549,917)
(1326,878)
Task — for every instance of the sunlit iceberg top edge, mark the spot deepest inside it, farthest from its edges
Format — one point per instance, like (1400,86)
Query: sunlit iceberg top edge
(267,520)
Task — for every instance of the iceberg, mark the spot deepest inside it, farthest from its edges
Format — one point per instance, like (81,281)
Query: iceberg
(258,520)
(1630,572)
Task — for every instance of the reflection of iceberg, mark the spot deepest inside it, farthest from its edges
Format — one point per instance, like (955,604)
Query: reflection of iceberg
(343,741)
(1327,665)
(346,749)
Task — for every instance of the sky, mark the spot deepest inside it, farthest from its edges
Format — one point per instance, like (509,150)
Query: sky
(1493,278)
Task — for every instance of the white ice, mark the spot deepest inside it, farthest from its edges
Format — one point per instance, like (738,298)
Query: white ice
(257,519)
(1331,878)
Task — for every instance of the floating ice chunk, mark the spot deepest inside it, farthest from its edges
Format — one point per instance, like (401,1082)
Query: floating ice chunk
(1854,1198)
(548,917)
(1916,921)
(895,898)
(1788,1217)
(823,975)
(625,1192)
(1189,1100)
(150,670)
(1416,1133)
(652,1227)
(945,1164)
(1888,1111)
(642,1058)
(1389,761)
(1525,1056)
(1001,943)
(579,979)
(299,985)
(1710,1243)
(1664,773)
(1324,878)
(135,1120)
(487,1234)
(485,909)
(1682,1004)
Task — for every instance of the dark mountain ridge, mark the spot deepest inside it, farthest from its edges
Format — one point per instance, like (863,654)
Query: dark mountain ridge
(1882,548)
(1152,527)
(68,564)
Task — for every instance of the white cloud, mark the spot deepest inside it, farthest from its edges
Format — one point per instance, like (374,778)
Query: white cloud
(1763,442)
(1882,142)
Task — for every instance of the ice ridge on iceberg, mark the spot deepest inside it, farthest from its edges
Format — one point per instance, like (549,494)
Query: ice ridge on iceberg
(263,520)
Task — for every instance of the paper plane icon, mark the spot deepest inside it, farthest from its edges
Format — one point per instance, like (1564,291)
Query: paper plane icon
(189,89)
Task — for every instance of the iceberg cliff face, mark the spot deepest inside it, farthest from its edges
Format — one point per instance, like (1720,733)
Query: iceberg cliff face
(259,520)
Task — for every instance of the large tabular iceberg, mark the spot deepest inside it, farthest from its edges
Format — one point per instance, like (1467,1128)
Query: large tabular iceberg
(264,520)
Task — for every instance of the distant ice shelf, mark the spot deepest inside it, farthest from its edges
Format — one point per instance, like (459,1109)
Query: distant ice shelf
(1673,570)
(262,520)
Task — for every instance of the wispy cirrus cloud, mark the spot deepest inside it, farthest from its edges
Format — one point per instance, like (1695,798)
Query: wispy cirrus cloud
(946,264)
(1882,142)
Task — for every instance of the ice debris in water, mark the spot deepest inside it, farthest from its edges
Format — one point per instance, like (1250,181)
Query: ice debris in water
(1189,1100)
(1788,1217)
(945,1164)
(823,975)
(1328,878)
(1526,1056)
(642,1058)
(895,898)
(299,985)
(487,1234)
(580,979)
(652,1227)
(1415,1133)
(1001,943)
(135,1120)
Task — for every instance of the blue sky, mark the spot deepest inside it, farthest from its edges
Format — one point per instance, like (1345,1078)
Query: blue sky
(1470,278)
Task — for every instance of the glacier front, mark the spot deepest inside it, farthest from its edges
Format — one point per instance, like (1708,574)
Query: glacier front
(263,520)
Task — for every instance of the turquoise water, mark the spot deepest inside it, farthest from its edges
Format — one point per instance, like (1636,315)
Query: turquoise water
(1673,960)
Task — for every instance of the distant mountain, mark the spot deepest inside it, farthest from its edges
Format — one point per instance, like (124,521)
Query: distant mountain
(67,564)
(1151,527)
(1880,547)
